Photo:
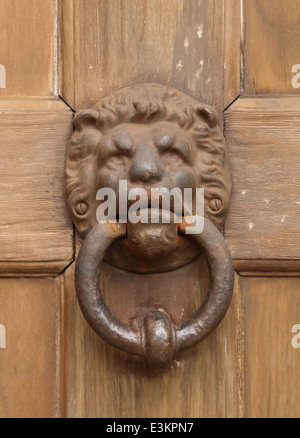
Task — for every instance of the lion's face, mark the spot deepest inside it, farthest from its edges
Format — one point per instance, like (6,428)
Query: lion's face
(148,148)
(148,156)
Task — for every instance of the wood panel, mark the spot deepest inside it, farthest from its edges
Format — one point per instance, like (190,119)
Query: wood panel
(102,382)
(271,308)
(27,47)
(168,42)
(271,45)
(30,363)
(263,224)
(36,234)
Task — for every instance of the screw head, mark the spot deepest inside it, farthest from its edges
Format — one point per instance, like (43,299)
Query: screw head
(215,204)
(81,208)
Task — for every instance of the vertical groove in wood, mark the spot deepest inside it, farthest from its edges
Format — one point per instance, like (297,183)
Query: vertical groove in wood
(232,51)
(241,350)
(66,51)
(60,346)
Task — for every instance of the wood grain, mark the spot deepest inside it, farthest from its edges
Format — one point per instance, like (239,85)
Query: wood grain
(30,365)
(272,385)
(271,45)
(34,223)
(27,47)
(168,42)
(263,224)
(102,382)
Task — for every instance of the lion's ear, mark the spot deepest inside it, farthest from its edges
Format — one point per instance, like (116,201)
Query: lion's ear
(85,119)
(209,115)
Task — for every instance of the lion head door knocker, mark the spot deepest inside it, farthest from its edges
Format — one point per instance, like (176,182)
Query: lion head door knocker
(131,147)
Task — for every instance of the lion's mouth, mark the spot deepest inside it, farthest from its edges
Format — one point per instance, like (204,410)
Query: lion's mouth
(153,243)
(155,234)
(172,206)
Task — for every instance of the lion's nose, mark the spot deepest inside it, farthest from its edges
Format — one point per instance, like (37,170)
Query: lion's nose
(145,167)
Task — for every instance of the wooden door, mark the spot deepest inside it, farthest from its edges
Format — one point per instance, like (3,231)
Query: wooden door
(59,56)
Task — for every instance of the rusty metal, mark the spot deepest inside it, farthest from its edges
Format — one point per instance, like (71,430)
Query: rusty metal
(215,205)
(152,136)
(81,208)
(158,340)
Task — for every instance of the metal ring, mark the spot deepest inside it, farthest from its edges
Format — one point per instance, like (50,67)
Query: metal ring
(159,339)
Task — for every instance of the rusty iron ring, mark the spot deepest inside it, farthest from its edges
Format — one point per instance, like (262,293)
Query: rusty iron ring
(159,339)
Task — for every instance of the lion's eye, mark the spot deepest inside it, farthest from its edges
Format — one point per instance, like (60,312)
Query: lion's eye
(164,142)
(124,143)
